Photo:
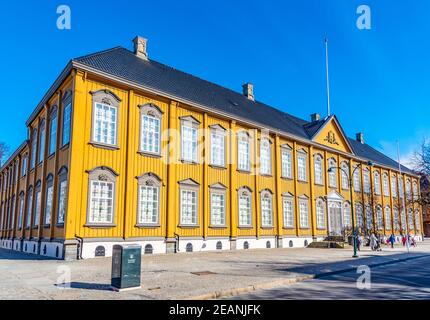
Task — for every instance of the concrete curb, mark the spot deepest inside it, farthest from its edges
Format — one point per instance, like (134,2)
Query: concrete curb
(289,281)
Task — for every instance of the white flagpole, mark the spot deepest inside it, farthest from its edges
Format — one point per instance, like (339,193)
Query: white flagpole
(327,77)
(403,197)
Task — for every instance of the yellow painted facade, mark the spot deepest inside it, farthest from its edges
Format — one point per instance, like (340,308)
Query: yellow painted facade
(127,164)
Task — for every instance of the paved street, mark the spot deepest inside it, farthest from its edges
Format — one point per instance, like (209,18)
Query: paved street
(206,275)
(403,280)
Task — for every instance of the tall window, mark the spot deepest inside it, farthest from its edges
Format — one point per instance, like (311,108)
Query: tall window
(357,180)
(102,196)
(24,165)
(12,215)
(394,186)
(387,218)
(401,193)
(67,116)
(49,200)
(379,218)
(265,158)
(38,205)
(217,194)
(33,149)
(29,207)
(408,189)
(189,139)
(42,135)
(105,123)
(304,213)
(320,214)
(396,219)
(403,219)
(150,129)
(243,152)
(366,180)
(377,182)
(386,185)
(218,146)
(332,173)
(21,210)
(347,214)
(369,218)
(411,219)
(318,169)
(266,209)
(301,165)
(149,200)
(345,175)
(288,210)
(245,214)
(287,170)
(417,220)
(415,190)
(188,202)
(53,131)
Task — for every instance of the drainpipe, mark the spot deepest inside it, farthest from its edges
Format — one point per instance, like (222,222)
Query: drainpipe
(81,244)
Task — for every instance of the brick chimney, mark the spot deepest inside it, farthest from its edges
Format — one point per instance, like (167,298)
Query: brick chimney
(360,137)
(248,91)
(315,117)
(140,47)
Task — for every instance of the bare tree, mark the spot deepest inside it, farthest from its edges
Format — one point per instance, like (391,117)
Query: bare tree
(4,149)
(420,160)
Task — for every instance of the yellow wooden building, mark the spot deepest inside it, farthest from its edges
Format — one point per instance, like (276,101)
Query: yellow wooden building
(123,149)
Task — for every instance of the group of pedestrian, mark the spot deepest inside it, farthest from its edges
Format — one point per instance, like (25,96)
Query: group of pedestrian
(376,241)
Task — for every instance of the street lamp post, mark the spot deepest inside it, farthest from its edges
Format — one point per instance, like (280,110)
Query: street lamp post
(351,185)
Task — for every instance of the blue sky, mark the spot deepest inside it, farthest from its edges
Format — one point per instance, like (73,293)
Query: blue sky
(379,77)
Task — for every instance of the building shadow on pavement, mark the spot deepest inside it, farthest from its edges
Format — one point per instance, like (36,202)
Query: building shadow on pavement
(17,255)
(85,285)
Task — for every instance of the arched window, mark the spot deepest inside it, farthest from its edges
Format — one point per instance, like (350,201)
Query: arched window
(21,209)
(49,197)
(411,219)
(394,186)
(387,218)
(318,168)
(379,218)
(417,220)
(67,119)
(415,190)
(288,210)
(266,208)
(105,118)
(377,182)
(243,152)
(149,200)
(38,204)
(42,135)
(386,185)
(345,175)
(219,245)
(332,176)
(369,217)
(150,129)
(268,245)
(347,214)
(366,180)
(62,196)
(403,219)
(53,131)
(245,207)
(29,207)
(396,219)
(101,198)
(246,245)
(401,187)
(33,149)
(357,179)
(408,189)
(149,249)
(265,157)
(320,213)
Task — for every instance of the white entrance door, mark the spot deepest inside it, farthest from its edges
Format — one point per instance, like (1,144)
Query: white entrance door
(335,218)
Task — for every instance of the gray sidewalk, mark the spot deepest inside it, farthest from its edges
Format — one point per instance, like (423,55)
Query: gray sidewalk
(171,276)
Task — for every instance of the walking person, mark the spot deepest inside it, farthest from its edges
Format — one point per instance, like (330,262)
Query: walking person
(392,239)
(373,242)
(359,242)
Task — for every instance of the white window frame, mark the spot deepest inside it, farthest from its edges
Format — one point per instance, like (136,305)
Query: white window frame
(150,129)
(302,163)
(266,205)
(49,201)
(357,180)
(379,218)
(37,205)
(29,208)
(244,212)
(347,214)
(318,169)
(21,210)
(53,127)
(320,214)
(366,181)
(218,205)
(150,183)
(369,217)
(288,211)
(344,175)
(66,123)
(386,185)
(243,152)
(304,212)
(394,182)
(189,206)
(42,138)
(33,152)
(400,188)
(377,182)
(287,163)
(332,175)
(218,137)
(104,180)
(387,213)
(265,157)
(189,139)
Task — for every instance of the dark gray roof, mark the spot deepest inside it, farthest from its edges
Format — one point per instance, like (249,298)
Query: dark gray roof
(122,63)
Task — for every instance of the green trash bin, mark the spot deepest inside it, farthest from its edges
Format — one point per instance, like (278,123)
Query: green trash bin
(126,267)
